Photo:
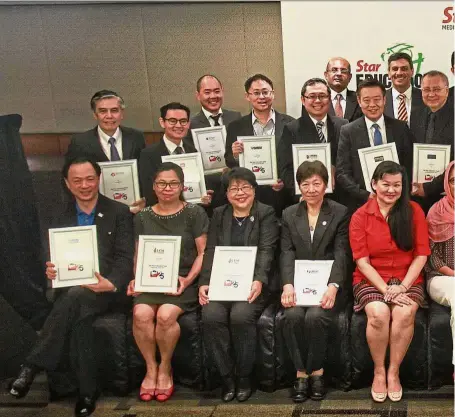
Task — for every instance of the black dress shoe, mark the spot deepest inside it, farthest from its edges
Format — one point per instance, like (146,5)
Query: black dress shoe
(85,406)
(21,385)
(228,389)
(243,389)
(300,390)
(317,391)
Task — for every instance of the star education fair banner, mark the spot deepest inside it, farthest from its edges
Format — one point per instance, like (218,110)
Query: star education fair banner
(366,34)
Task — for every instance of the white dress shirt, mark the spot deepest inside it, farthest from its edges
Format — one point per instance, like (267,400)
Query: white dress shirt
(407,100)
(171,146)
(324,127)
(211,121)
(259,128)
(104,141)
(370,129)
(334,94)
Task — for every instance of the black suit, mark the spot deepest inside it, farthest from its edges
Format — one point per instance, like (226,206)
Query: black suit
(352,111)
(75,309)
(354,136)
(244,127)
(306,329)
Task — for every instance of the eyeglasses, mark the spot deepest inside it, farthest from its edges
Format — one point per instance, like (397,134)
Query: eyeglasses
(264,93)
(172,121)
(173,185)
(244,188)
(436,90)
(344,71)
(305,186)
(321,97)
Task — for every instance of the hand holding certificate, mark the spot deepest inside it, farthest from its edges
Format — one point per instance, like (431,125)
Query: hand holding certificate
(310,281)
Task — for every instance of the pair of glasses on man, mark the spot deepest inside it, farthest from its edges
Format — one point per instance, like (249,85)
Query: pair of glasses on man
(344,71)
(436,90)
(314,97)
(263,93)
(172,121)
(244,189)
(173,185)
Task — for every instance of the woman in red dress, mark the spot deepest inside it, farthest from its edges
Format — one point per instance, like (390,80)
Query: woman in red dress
(390,244)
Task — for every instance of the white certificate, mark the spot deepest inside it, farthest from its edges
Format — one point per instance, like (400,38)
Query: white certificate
(310,281)
(119,181)
(259,156)
(191,163)
(211,143)
(429,161)
(312,152)
(372,156)
(74,252)
(232,273)
(157,267)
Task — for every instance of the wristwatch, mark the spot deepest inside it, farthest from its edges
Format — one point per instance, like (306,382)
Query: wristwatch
(335,285)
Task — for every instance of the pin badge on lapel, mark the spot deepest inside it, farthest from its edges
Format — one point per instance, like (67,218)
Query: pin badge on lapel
(324,223)
(251,218)
(100,214)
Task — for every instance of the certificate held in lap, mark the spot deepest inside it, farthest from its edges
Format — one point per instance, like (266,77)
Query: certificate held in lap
(310,281)
(232,273)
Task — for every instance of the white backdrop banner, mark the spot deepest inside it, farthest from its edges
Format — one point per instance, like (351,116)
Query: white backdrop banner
(365,33)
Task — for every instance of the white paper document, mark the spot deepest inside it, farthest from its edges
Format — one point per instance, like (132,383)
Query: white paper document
(211,143)
(429,161)
(310,281)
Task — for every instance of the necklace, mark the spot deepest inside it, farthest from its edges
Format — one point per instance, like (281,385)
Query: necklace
(240,222)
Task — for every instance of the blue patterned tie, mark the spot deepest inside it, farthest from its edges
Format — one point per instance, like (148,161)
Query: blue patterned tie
(377,136)
(114,152)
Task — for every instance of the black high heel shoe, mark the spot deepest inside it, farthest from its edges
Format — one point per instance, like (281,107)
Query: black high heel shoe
(21,385)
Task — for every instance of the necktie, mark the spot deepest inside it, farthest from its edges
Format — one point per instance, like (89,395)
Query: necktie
(338,108)
(377,136)
(114,152)
(216,119)
(402,112)
(430,128)
(178,150)
(319,126)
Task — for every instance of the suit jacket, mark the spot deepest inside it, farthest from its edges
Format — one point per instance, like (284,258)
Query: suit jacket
(88,144)
(416,106)
(114,231)
(352,111)
(261,231)
(330,240)
(149,161)
(302,131)
(354,136)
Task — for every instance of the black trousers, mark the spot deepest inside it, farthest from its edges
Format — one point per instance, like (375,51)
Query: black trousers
(305,331)
(69,324)
(230,335)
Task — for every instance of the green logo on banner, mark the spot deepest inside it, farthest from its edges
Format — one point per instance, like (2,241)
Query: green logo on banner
(405,47)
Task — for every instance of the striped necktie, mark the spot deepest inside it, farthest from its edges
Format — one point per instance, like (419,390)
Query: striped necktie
(319,126)
(402,112)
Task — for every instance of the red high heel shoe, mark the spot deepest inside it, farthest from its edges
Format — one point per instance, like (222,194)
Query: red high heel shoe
(147,394)
(163,395)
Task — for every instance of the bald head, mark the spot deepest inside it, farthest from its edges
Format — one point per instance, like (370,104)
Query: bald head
(338,73)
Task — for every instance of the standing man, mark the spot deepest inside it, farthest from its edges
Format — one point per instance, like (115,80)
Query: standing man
(343,102)
(373,129)
(452,70)
(403,101)
(315,126)
(70,323)
(263,120)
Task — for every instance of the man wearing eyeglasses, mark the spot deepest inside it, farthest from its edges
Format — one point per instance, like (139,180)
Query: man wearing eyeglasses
(175,120)
(263,120)
(343,102)
(315,126)
(436,126)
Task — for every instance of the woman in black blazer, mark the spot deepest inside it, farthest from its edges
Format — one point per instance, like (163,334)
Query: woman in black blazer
(242,222)
(314,229)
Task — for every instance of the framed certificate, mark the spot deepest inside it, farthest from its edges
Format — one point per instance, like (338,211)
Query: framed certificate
(429,161)
(312,152)
(211,143)
(74,252)
(119,181)
(191,163)
(310,281)
(371,157)
(232,273)
(157,267)
(259,156)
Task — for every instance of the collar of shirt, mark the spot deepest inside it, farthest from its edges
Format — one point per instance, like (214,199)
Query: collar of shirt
(84,219)
(324,120)
(334,94)
(254,119)
(104,139)
(207,114)
(380,123)
(372,207)
(171,145)
(407,93)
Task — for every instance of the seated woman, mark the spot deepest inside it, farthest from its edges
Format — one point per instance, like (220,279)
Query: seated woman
(155,314)
(389,241)
(314,229)
(242,222)
(440,267)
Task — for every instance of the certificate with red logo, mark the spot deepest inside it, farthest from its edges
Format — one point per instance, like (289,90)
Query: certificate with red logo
(74,252)
(232,273)
(211,143)
(310,281)
(429,161)
(157,267)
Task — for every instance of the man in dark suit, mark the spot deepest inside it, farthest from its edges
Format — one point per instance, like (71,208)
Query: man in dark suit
(402,101)
(343,102)
(175,122)
(373,129)
(436,126)
(70,321)
(452,70)
(315,126)
(263,120)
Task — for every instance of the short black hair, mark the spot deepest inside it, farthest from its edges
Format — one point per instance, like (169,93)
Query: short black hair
(309,168)
(102,94)
(199,81)
(80,160)
(242,174)
(369,84)
(170,166)
(400,55)
(314,81)
(452,59)
(436,73)
(174,106)
(257,77)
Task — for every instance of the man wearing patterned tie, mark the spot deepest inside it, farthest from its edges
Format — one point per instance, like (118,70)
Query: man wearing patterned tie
(403,101)
(373,129)
(315,126)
